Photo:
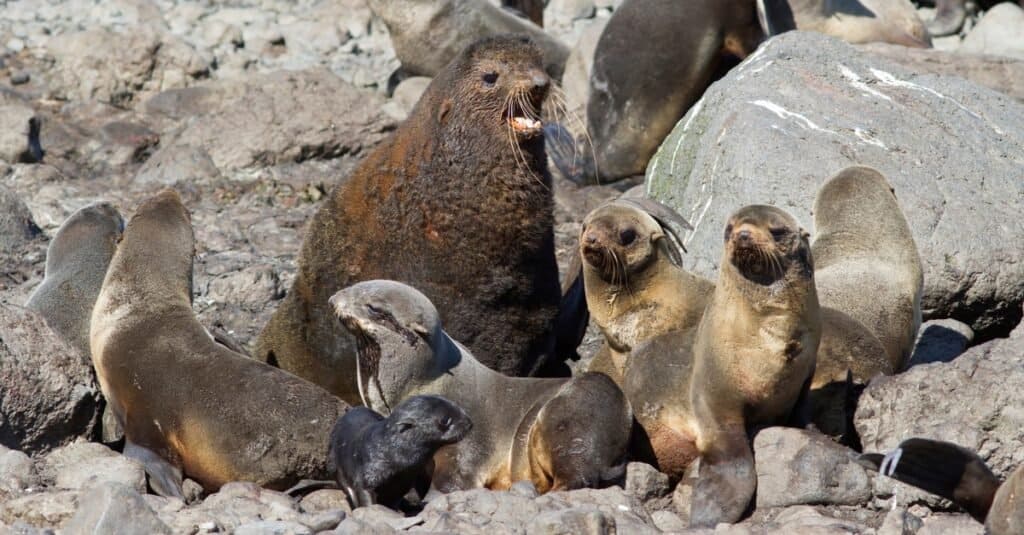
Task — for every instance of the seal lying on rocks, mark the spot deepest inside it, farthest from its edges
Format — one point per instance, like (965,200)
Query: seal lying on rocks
(959,475)
(558,433)
(378,459)
(187,404)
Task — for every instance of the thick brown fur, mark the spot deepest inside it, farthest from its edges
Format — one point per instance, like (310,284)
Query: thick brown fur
(630,111)
(457,204)
(754,353)
(558,433)
(187,404)
(76,262)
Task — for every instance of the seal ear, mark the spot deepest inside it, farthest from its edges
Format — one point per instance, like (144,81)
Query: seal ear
(421,330)
(442,113)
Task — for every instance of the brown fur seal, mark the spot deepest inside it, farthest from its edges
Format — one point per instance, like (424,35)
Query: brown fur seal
(630,111)
(457,203)
(379,459)
(634,284)
(854,21)
(76,262)
(869,278)
(753,354)
(531,9)
(558,433)
(959,475)
(866,262)
(187,404)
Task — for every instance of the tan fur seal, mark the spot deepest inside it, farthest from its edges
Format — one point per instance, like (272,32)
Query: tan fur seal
(457,203)
(187,404)
(558,433)
(959,475)
(854,21)
(866,262)
(634,284)
(76,262)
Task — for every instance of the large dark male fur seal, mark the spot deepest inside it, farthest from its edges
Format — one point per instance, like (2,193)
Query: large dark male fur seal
(959,475)
(378,459)
(558,433)
(457,203)
(187,404)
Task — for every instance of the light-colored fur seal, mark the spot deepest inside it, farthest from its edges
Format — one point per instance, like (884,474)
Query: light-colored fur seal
(557,433)
(187,404)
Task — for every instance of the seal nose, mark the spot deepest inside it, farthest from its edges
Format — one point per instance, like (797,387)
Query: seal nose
(540,80)
(590,238)
(743,237)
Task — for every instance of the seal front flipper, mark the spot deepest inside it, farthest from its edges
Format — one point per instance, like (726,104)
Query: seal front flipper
(164,478)
(941,468)
(726,480)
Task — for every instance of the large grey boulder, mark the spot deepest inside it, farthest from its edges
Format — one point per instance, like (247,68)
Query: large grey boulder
(797,467)
(48,395)
(976,401)
(17,228)
(805,106)
(998,32)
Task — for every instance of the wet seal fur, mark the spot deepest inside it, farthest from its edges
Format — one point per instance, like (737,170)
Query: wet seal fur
(959,475)
(558,433)
(76,263)
(187,404)
(458,203)
(378,459)
(630,113)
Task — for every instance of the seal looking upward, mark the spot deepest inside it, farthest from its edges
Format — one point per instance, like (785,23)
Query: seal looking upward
(188,404)
(558,433)
(457,203)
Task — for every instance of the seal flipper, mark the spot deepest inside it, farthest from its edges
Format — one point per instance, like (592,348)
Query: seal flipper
(164,478)
(726,480)
(941,468)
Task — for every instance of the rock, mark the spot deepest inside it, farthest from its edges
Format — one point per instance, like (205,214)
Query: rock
(943,524)
(48,395)
(949,148)
(976,401)
(353,526)
(114,67)
(806,519)
(84,465)
(14,134)
(272,528)
(998,73)
(20,77)
(325,500)
(427,34)
(179,163)
(115,509)
(17,228)
(940,341)
(280,118)
(41,509)
(668,521)
(797,467)
(17,473)
(405,96)
(997,33)
(572,522)
(576,79)
(645,482)
(524,488)
(237,504)
(899,522)
(324,521)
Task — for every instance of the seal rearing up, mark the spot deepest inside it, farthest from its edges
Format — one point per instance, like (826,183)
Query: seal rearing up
(457,203)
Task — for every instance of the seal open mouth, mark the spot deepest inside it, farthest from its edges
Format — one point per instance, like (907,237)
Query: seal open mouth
(524,116)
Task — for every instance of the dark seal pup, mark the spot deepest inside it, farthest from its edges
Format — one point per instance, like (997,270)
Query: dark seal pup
(959,475)
(457,203)
(187,404)
(378,459)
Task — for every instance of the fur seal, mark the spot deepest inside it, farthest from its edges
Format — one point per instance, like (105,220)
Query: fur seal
(76,262)
(853,21)
(959,475)
(635,286)
(531,9)
(866,262)
(378,459)
(459,204)
(185,402)
(557,433)
(630,112)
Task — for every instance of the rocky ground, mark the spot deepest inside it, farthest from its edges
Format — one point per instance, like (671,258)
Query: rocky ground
(253,109)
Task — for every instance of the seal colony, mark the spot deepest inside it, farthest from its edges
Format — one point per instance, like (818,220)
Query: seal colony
(458,203)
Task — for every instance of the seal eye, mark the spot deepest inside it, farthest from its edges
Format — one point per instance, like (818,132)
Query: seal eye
(447,423)
(627,236)
(728,231)
(490,78)
(779,233)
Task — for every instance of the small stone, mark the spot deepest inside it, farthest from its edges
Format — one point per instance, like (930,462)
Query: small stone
(645,482)
(324,521)
(42,509)
(83,465)
(114,508)
(899,522)
(668,521)
(17,473)
(272,528)
(15,45)
(325,500)
(20,77)
(572,522)
(524,488)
